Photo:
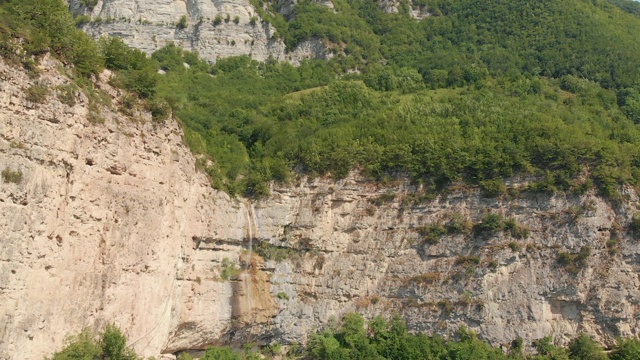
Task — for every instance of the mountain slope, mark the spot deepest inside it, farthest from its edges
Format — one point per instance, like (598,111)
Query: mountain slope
(432,169)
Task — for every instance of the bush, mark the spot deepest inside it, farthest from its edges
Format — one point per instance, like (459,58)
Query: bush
(432,234)
(490,223)
(142,82)
(182,23)
(217,20)
(493,188)
(80,347)
(160,110)
(112,345)
(626,349)
(90,4)
(515,230)
(128,104)
(11,176)
(229,270)
(219,353)
(185,356)
(276,253)
(583,347)
(81,20)
(282,296)
(546,348)
(36,93)
(67,94)
(515,247)
(458,224)
(119,56)
(574,262)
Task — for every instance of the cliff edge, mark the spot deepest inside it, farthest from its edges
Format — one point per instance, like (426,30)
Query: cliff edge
(107,219)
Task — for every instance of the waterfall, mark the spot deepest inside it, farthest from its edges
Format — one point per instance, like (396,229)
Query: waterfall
(247,275)
(250,234)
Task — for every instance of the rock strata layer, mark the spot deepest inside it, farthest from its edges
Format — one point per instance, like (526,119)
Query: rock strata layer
(215,29)
(111,221)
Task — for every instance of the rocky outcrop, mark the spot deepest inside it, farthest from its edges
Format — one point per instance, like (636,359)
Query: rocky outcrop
(112,222)
(395,6)
(99,229)
(215,29)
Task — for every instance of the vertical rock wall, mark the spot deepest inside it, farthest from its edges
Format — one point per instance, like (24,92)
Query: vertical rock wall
(112,222)
(152,24)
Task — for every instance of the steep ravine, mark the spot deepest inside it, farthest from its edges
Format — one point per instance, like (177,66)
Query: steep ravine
(112,222)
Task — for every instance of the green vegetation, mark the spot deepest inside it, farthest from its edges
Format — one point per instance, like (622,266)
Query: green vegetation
(110,345)
(229,270)
(11,176)
(277,253)
(383,199)
(257,125)
(381,339)
(479,92)
(90,4)
(36,93)
(493,187)
(356,339)
(432,234)
(67,94)
(458,224)
(492,223)
(626,349)
(583,347)
(574,262)
(45,26)
(511,121)
(182,23)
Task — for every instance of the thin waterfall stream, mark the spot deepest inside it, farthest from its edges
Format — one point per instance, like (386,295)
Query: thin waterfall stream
(248,265)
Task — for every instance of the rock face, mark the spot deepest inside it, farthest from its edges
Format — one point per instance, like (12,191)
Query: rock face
(112,222)
(215,29)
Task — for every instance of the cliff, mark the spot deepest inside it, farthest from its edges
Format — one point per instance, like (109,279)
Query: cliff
(107,219)
(151,25)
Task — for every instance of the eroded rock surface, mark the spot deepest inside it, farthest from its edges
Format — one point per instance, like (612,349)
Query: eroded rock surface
(152,24)
(112,222)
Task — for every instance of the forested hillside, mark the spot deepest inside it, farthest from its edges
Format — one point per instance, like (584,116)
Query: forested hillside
(477,92)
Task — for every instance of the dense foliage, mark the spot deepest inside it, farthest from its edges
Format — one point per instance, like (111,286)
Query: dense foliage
(110,345)
(32,28)
(477,92)
(256,124)
(379,339)
(483,90)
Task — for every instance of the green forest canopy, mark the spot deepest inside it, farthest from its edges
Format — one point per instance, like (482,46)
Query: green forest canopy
(477,92)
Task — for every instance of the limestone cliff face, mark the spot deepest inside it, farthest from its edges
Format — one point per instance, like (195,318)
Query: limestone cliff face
(112,222)
(99,229)
(152,24)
